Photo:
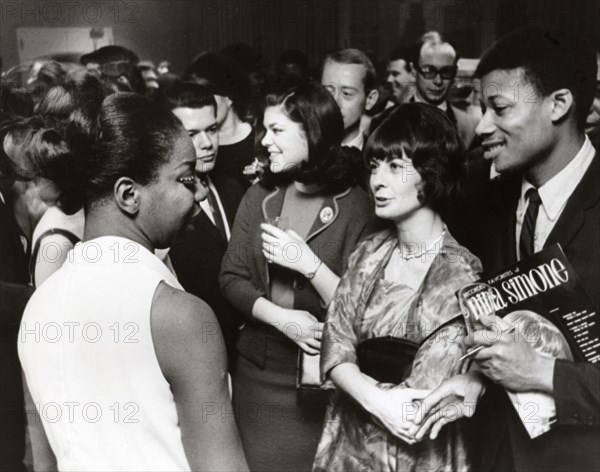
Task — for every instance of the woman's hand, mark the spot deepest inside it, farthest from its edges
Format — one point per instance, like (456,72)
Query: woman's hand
(298,325)
(304,329)
(395,409)
(288,249)
(453,399)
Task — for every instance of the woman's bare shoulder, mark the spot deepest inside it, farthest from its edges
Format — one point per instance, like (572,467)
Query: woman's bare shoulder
(177,306)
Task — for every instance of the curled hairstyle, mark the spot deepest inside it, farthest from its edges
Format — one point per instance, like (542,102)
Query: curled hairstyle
(329,165)
(48,155)
(126,135)
(424,134)
(551,60)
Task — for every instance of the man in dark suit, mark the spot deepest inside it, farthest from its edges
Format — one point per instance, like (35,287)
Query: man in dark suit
(538,87)
(196,254)
(434,67)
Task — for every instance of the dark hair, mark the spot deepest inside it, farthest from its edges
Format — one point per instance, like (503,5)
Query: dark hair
(328,164)
(294,56)
(428,138)
(112,53)
(356,56)
(113,72)
(188,95)
(222,77)
(404,53)
(15,103)
(551,60)
(126,135)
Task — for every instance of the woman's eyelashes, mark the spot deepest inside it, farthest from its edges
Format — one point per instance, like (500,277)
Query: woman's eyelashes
(188,180)
(395,165)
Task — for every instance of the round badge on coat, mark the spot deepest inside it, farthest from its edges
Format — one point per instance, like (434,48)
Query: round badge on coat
(326,214)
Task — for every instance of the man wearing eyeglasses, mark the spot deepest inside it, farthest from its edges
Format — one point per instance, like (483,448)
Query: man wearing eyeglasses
(434,68)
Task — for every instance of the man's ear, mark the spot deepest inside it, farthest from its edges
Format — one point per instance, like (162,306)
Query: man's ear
(127,195)
(561,101)
(371,99)
(413,70)
(228,102)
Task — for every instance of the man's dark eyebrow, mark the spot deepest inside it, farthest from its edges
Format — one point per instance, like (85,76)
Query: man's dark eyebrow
(347,87)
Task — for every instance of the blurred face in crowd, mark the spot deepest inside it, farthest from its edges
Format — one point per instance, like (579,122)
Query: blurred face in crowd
(170,200)
(400,80)
(394,184)
(346,83)
(592,123)
(517,134)
(201,125)
(150,78)
(435,72)
(284,139)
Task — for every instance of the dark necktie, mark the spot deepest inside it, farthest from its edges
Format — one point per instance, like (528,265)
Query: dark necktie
(526,242)
(216,214)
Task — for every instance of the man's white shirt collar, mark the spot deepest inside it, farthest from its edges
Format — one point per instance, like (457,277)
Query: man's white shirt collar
(555,193)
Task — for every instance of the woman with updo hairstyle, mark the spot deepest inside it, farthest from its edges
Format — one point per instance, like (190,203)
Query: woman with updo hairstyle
(290,243)
(58,174)
(394,327)
(133,367)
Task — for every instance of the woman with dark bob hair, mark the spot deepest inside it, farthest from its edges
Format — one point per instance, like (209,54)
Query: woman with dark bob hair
(133,368)
(378,349)
(282,276)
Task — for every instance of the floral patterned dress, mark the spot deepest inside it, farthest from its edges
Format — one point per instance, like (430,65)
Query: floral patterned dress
(367,306)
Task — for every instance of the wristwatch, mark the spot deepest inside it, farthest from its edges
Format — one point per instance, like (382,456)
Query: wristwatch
(311,275)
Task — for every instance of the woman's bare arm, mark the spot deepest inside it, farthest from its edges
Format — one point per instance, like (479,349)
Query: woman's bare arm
(195,365)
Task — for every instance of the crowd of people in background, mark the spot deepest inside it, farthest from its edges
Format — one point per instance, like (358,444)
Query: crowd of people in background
(245,240)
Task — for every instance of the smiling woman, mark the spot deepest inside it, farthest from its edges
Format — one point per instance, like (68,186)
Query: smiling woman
(281,276)
(142,374)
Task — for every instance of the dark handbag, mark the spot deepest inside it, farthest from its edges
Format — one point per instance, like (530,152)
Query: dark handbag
(311,398)
(387,359)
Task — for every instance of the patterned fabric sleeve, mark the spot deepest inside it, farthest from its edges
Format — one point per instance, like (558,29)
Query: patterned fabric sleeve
(339,337)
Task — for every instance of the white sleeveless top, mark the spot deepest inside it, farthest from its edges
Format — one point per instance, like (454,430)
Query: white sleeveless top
(87,352)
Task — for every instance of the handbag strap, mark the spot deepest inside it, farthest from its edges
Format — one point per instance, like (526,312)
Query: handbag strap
(36,249)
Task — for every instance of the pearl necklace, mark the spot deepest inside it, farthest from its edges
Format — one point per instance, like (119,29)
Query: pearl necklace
(423,251)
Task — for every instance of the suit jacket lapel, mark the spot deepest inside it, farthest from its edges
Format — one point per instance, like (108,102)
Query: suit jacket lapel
(203,224)
(585,195)
(273,203)
(507,199)
(327,214)
(229,197)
